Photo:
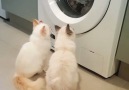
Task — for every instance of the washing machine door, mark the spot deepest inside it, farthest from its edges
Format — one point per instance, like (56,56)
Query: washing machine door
(82,15)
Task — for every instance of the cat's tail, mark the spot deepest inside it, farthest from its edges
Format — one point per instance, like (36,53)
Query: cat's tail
(23,83)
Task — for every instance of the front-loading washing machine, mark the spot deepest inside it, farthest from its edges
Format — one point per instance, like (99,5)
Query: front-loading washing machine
(97,24)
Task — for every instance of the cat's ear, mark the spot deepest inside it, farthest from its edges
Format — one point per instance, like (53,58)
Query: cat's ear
(43,31)
(35,22)
(57,28)
(68,31)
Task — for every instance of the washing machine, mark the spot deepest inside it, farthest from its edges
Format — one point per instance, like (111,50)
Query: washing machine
(97,24)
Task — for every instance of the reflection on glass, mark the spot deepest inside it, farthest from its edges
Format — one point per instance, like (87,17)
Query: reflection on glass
(75,8)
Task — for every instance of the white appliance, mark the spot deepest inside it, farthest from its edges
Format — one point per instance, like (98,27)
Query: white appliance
(97,24)
(2,12)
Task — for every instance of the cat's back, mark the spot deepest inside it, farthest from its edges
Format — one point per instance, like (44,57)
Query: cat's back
(27,48)
(62,67)
(27,54)
(29,60)
(63,55)
(63,60)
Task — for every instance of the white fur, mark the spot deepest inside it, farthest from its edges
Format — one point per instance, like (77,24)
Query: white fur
(62,72)
(33,55)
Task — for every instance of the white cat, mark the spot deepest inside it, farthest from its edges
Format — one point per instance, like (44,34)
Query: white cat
(32,57)
(62,73)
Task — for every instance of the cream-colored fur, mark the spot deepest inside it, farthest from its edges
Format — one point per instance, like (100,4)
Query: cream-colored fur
(62,72)
(23,83)
(32,57)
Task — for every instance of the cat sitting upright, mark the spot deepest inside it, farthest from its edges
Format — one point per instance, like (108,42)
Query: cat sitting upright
(32,57)
(62,73)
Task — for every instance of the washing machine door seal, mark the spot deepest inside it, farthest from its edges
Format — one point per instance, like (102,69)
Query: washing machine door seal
(80,24)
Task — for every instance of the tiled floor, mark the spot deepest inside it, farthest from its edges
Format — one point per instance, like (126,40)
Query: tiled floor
(11,40)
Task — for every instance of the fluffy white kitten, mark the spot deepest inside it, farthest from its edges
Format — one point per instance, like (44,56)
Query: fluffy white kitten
(62,73)
(31,58)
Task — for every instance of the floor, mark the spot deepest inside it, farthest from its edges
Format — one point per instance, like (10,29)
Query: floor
(11,40)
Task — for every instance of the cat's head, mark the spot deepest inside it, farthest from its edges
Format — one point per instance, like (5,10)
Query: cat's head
(65,31)
(40,29)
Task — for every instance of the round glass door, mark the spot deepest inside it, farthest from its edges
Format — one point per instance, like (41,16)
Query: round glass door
(82,15)
(75,8)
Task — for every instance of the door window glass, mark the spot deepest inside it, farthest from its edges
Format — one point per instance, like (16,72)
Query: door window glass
(75,8)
